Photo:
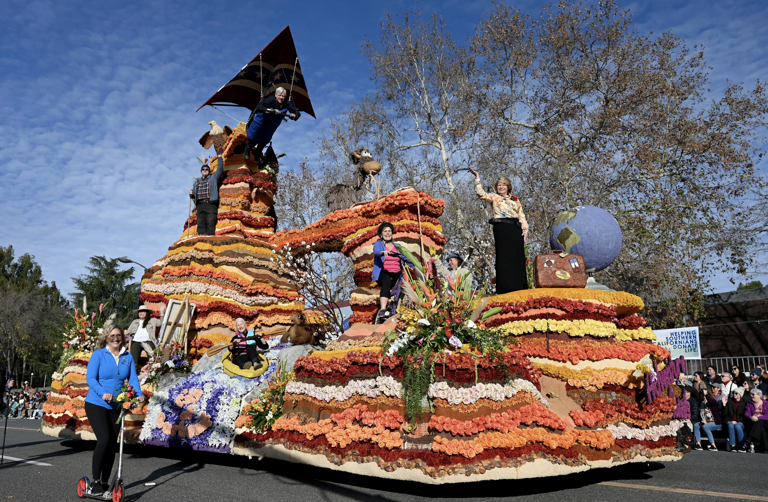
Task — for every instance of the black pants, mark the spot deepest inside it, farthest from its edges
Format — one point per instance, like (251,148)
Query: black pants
(387,281)
(136,347)
(510,255)
(103,424)
(758,432)
(206,218)
(257,147)
(250,354)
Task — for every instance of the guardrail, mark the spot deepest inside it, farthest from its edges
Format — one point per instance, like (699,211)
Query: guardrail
(722,364)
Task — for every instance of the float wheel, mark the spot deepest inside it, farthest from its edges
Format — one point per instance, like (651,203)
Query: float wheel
(81,487)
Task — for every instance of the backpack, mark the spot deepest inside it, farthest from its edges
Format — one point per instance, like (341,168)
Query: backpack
(685,438)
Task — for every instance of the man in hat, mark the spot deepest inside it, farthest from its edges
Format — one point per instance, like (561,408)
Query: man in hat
(756,375)
(143,331)
(265,119)
(454,269)
(205,193)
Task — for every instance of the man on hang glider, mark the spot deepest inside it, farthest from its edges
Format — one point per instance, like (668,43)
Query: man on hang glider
(265,119)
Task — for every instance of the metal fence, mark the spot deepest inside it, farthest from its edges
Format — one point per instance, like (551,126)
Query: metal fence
(721,364)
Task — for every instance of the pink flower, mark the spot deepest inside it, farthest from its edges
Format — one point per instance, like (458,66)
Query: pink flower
(101,308)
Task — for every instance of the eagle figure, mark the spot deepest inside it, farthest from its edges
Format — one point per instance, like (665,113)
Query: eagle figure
(216,136)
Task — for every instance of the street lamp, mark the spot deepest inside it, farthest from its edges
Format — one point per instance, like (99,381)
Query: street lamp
(31,379)
(125,259)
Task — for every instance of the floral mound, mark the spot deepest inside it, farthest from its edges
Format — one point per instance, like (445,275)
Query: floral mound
(353,232)
(246,195)
(579,386)
(64,411)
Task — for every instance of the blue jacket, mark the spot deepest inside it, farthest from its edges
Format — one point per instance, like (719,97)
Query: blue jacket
(378,260)
(106,377)
(261,126)
(213,183)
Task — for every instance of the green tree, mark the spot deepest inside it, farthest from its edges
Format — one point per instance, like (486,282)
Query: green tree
(106,284)
(31,315)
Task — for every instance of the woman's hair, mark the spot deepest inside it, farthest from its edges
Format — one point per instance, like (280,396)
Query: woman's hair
(756,392)
(237,321)
(385,225)
(101,342)
(505,181)
(700,373)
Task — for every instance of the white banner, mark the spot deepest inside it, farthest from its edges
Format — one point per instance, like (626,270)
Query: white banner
(680,342)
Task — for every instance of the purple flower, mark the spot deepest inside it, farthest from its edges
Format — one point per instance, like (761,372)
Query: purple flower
(455,342)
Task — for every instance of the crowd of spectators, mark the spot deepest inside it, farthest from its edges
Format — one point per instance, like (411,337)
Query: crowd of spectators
(733,402)
(25,402)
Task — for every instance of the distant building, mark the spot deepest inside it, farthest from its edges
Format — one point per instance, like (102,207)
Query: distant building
(735,324)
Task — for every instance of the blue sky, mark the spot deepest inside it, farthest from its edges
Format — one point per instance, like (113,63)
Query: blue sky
(98,100)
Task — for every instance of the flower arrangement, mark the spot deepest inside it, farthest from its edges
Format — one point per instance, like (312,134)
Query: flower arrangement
(83,334)
(178,362)
(266,409)
(127,399)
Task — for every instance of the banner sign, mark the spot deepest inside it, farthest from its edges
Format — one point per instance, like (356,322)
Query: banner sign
(680,342)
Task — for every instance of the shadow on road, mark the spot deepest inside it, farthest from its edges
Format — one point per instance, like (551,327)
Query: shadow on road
(344,484)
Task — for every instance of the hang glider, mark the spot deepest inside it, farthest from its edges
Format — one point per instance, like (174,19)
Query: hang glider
(277,65)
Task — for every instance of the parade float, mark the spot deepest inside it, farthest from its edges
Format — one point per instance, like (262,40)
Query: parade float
(459,386)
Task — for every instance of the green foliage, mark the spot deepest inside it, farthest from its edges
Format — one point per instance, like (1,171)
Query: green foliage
(31,313)
(106,284)
(441,319)
(750,285)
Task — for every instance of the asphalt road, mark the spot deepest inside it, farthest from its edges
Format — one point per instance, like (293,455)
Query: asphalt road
(41,468)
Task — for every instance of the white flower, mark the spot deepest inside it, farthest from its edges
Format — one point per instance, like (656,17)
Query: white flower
(425,322)
(470,324)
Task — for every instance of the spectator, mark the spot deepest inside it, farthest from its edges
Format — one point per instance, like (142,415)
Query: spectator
(712,376)
(756,377)
(756,412)
(38,411)
(700,382)
(709,419)
(733,418)
(683,381)
(738,377)
(728,385)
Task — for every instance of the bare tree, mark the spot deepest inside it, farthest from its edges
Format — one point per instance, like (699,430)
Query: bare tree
(590,112)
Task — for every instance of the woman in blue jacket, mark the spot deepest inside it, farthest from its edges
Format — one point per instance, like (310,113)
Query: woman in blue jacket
(109,367)
(387,268)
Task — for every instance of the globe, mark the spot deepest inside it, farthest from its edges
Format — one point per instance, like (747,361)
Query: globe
(599,234)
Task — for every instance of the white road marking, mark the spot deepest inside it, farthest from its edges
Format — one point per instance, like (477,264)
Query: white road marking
(33,462)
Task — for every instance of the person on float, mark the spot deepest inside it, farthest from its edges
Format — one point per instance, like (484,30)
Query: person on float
(454,269)
(244,347)
(733,418)
(265,119)
(205,193)
(143,331)
(109,367)
(387,268)
(510,233)
(756,418)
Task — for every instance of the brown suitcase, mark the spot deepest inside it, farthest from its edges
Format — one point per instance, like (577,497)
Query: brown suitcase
(556,271)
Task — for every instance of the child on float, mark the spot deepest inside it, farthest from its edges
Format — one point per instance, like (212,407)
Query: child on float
(244,347)
(387,268)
